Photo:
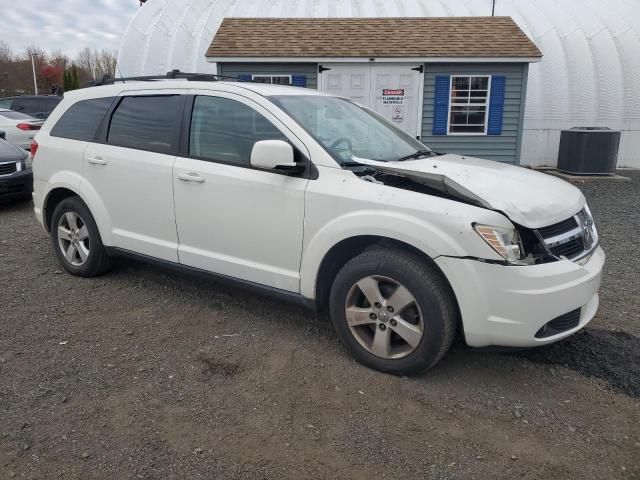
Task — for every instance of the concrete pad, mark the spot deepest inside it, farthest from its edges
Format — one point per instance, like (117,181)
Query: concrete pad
(583,178)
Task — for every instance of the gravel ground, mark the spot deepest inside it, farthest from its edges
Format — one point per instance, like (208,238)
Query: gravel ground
(144,373)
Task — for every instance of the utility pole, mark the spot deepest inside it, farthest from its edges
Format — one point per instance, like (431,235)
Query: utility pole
(33,67)
(493,8)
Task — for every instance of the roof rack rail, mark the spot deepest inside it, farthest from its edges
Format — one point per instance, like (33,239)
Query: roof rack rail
(173,74)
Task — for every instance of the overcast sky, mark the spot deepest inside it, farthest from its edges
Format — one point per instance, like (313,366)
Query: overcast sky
(67,25)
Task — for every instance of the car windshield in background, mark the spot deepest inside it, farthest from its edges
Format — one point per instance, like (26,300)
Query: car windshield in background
(15,115)
(347,130)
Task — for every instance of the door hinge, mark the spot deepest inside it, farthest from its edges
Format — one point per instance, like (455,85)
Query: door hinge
(419,69)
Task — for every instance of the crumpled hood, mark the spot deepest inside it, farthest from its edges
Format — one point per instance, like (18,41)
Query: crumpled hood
(527,197)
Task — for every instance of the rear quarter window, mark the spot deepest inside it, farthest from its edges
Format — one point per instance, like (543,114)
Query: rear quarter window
(82,120)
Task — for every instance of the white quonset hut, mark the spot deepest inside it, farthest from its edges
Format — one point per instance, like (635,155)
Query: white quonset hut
(589,75)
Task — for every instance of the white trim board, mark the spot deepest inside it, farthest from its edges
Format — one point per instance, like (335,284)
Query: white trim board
(373,60)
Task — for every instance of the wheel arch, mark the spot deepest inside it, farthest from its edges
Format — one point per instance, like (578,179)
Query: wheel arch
(348,248)
(60,192)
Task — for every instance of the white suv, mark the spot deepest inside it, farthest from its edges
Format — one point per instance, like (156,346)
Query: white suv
(318,200)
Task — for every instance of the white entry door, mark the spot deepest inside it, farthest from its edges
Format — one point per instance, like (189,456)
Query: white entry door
(392,90)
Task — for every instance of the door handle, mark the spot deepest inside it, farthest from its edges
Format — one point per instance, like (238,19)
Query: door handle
(96,160)
(190,177)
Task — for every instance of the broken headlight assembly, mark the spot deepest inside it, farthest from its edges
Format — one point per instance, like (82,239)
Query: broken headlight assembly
(505,242)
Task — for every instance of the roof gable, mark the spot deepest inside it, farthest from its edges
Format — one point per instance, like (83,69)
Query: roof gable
(419,37)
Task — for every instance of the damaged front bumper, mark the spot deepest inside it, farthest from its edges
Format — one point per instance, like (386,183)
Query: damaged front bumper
(508,305)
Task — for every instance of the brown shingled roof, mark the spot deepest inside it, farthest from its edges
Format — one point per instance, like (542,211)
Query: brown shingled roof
(372,37)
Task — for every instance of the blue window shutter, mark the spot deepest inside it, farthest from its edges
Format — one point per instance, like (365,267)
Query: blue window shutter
(496,105)
(441,104)
(244,78)
(299,80)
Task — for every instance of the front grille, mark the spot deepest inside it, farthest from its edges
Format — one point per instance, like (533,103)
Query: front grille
(560,324)
(570,249)
(8,168)
(558,228)
(12,189)
(571,238)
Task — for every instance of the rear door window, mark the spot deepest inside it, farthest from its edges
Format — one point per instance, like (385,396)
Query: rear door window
(81,120)
(148,123)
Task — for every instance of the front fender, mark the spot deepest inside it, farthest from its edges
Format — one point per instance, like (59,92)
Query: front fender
(386,224)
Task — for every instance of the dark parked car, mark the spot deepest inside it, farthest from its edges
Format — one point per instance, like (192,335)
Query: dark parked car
(16,177)
(38,106)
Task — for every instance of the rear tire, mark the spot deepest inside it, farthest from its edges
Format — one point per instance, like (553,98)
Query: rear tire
(393,311)
(76,240)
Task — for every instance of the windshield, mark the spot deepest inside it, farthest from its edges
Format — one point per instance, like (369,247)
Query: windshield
(347,130)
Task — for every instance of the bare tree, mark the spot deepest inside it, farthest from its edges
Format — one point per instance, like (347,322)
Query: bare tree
(6,53)
(86,60)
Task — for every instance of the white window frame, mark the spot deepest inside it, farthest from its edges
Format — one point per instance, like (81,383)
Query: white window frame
(272,76)
(486,104)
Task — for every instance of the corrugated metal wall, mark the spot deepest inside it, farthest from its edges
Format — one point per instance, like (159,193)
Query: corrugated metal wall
(590,74)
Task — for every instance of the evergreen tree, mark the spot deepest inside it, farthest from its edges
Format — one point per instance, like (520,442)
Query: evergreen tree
(76,80)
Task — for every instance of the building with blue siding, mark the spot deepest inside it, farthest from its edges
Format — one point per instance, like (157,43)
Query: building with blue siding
(457,83)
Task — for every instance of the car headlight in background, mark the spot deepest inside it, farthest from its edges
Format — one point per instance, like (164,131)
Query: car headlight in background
(505,242)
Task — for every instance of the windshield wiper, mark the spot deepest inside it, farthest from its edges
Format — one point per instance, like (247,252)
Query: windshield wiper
(352,164)
(416,155)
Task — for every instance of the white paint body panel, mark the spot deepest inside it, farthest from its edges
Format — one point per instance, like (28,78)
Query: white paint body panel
(589,76)
(276,230)
(527,197)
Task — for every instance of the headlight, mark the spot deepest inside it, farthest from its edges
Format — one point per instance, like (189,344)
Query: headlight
(506,242)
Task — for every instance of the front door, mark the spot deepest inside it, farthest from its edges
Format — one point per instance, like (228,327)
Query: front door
(232,219)
(393,91)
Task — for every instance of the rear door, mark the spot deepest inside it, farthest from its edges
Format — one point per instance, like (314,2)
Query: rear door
(232,219)
(131,172)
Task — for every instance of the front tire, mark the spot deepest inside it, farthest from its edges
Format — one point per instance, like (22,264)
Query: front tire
(76,240)
(393,311)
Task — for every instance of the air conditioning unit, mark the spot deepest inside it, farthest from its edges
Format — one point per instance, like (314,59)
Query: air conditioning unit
(589,151)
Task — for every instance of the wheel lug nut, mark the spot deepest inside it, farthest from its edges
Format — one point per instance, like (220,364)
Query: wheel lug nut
(393,323)
(378,305)
(390,309)
(373,316)
(383,327)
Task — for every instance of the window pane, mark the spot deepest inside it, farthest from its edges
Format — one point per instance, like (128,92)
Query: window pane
(261,79)
(146,123)
(82,120)
(466,129)
(460,83)
(479,83)
(225,130)
(5,104)
(281,81)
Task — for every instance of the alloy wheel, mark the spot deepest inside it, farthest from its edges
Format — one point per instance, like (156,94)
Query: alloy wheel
(384,317)
(73,238)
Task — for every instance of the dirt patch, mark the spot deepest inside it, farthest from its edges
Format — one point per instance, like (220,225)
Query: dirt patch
(613,357)
(144,373)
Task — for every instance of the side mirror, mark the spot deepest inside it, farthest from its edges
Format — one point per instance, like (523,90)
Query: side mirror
(274,155)
(3,135)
